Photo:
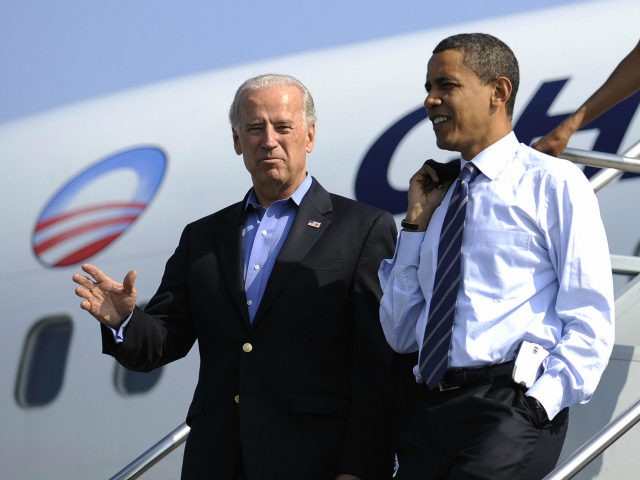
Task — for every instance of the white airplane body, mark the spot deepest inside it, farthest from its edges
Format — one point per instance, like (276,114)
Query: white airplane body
(113,180)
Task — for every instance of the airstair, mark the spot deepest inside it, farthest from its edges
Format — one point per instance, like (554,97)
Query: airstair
(614,409)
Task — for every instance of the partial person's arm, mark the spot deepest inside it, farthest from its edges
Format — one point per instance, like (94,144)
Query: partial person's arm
(163,332)
(367,451)
(584,306)
(623,82)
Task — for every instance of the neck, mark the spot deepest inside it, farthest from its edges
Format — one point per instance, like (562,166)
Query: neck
(272,193)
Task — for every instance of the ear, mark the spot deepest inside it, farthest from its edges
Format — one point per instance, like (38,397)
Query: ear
(502,89)
(311,138)
(236,142)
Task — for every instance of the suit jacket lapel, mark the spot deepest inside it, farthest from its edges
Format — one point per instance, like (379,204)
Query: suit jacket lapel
(229,254)
(316,207)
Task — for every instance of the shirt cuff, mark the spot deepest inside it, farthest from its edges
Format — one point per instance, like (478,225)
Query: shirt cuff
(408,251)
(549,392)
(118,335)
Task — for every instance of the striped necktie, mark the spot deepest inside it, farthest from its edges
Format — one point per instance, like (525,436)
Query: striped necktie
(434,355)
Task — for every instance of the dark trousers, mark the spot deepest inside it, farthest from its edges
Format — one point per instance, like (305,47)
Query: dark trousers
(478,432)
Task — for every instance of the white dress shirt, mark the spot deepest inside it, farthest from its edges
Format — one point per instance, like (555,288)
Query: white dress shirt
(536,267)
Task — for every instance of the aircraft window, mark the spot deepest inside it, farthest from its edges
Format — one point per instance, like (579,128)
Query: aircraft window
(43,363)
(129,382)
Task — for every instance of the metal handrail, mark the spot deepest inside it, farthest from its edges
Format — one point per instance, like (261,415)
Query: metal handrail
(153,455)
(625,264)
(596,444)
(601,159)
(614,165)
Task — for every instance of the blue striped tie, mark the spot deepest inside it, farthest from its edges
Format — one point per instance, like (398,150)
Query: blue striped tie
(434,356)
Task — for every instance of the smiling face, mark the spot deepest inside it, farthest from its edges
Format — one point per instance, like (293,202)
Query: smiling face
(273,140)
(462,107)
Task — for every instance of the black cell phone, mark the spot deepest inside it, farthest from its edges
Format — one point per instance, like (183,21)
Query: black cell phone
(447,172)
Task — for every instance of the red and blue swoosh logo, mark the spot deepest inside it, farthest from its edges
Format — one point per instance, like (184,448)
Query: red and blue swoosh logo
(96,206)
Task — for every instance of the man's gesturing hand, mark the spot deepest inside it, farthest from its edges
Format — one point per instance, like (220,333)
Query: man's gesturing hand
(108,301)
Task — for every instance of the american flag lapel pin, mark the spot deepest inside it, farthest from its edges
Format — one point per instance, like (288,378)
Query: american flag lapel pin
(313,223)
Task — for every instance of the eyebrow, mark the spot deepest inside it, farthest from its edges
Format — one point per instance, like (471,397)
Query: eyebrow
(276,124)
(441,79)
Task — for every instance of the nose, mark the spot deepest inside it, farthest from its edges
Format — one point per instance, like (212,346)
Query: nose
(269,141)
(430,101)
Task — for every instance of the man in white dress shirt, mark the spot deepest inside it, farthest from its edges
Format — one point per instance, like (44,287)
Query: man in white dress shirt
(535,268)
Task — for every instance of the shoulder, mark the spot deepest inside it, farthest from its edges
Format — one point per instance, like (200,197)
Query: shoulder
(229,214)
(360,212)
(351,204)
(340,205)
(552,169)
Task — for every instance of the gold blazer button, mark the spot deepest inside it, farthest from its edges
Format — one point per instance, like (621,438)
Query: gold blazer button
(247,347)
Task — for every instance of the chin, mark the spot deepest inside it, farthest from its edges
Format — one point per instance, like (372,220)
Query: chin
(444,145)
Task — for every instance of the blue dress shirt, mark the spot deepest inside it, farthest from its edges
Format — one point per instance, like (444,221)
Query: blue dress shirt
(265,231)
(535,267)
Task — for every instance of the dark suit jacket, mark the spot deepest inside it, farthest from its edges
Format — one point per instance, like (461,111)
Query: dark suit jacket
(302,393)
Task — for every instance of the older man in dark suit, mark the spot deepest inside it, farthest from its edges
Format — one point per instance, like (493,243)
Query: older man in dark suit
(281,292)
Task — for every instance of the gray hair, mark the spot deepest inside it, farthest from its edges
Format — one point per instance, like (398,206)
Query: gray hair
(274,80)
(488,57)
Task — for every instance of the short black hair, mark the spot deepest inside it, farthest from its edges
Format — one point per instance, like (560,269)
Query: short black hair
(488,57)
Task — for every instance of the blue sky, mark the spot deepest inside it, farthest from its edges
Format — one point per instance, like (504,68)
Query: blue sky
(57,52)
